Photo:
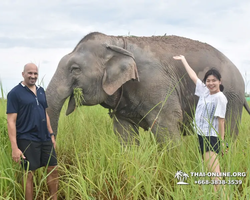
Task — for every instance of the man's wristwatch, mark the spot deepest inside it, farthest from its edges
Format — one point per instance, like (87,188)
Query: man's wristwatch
(52,134)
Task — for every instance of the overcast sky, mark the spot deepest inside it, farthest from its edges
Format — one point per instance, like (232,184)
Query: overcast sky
(43,31)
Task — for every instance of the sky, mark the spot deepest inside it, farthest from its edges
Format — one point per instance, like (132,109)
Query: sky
(43,31)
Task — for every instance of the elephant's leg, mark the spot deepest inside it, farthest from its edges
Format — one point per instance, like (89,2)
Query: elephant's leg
(233,117)
(167,132)
(126,129)
(166,127)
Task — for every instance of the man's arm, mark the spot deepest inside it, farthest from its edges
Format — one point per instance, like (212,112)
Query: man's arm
(16,152)
(50,129)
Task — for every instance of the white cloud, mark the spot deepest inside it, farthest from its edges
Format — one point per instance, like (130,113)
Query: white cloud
(44,31)
(15,59)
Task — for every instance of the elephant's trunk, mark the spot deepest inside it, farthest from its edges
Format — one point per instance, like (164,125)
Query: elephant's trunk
(56,94)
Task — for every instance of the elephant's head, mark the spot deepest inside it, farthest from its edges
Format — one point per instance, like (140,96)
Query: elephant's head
(98,69)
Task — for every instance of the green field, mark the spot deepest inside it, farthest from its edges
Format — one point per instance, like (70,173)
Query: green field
(93,164)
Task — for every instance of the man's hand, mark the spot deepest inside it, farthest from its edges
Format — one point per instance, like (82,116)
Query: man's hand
(53,141)
(17,154)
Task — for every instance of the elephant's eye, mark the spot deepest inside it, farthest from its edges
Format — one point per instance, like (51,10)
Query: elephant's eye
(75,69)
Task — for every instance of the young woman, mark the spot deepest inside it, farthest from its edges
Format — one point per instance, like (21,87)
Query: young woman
(209,115)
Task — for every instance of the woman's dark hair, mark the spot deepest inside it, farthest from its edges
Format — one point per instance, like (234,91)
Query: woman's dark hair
(215,73)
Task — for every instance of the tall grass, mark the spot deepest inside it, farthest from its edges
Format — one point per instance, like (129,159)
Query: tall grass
(93,164)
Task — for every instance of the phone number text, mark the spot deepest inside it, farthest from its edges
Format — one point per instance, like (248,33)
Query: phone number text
(218,182)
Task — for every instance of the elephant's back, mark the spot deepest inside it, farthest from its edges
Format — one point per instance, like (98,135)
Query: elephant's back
(201,57)
(155,51)
(170,43)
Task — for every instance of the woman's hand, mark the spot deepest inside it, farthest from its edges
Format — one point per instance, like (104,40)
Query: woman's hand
(189,70)
(224,148)
(180,57)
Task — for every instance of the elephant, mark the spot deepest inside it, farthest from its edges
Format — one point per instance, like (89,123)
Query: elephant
(141,84)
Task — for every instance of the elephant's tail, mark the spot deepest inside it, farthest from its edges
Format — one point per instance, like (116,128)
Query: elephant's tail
(247,106)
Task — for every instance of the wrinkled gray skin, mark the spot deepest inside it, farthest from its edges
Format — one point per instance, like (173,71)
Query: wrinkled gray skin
(134,75)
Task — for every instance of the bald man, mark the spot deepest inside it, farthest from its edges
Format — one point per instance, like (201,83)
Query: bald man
(31,136)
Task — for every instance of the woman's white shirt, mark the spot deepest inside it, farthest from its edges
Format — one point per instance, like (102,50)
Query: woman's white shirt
(208,109)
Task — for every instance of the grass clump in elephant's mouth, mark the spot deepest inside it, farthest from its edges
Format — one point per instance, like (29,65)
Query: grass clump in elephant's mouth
(78,96)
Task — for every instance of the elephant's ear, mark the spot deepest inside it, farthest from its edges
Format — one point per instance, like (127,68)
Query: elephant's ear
(120,68)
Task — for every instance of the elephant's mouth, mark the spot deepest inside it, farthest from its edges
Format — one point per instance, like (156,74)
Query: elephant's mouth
(71,104)
(77,99)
